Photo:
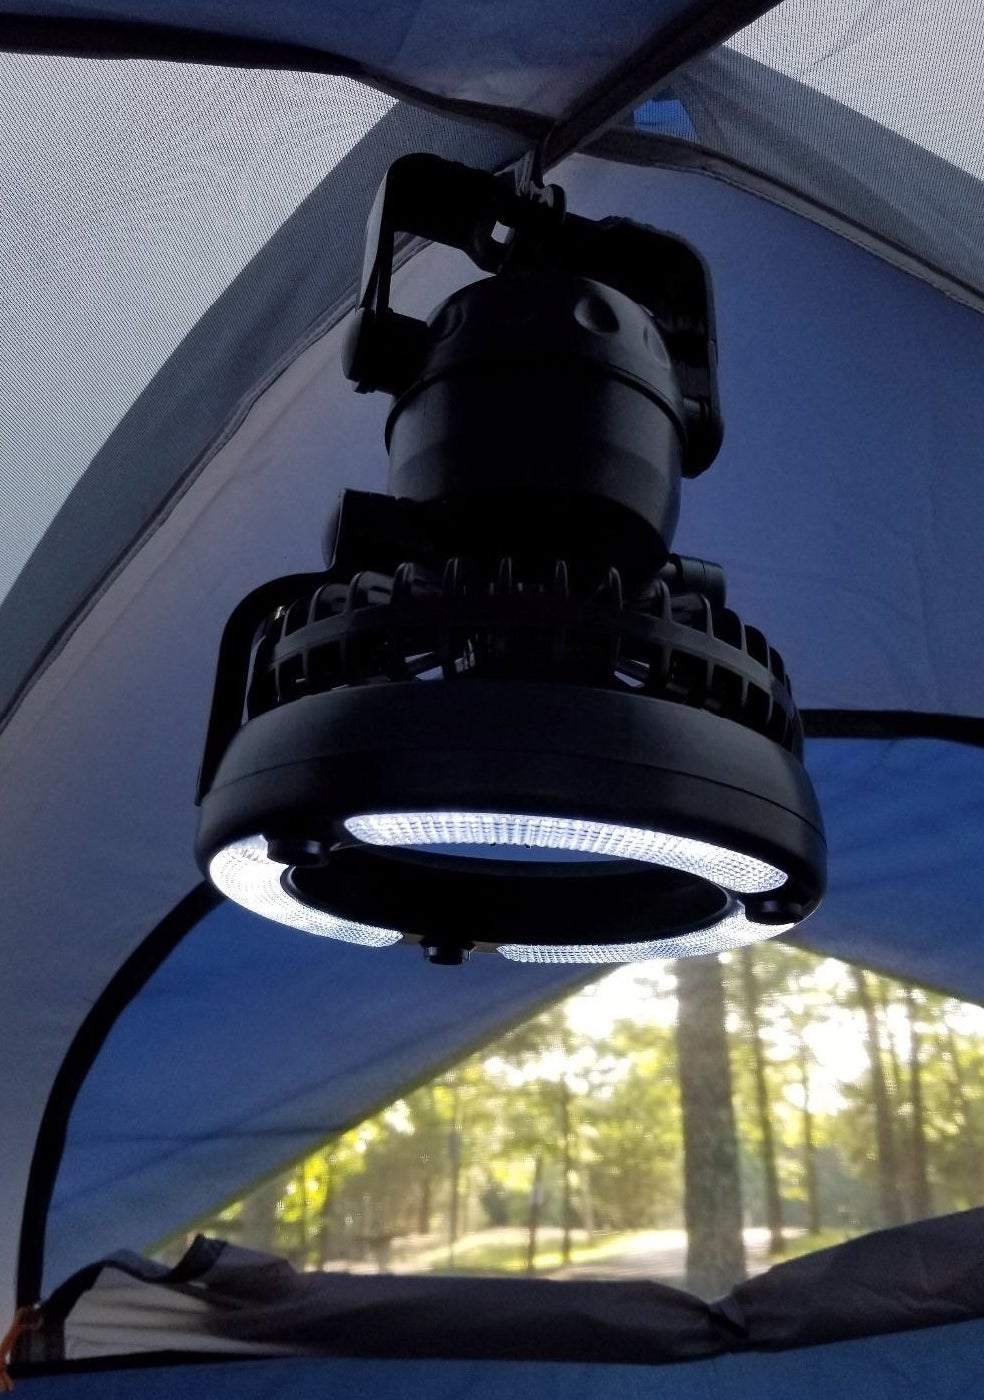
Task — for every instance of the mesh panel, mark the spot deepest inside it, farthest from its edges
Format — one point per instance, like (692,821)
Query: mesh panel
(133,193)
(690,1124)
(873,113)
(914,69)
(181,231)
(512,56)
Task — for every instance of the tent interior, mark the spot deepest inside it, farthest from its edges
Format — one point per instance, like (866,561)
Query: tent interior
(435,1180)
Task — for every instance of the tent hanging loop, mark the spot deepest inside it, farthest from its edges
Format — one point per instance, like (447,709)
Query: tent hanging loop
(528,172)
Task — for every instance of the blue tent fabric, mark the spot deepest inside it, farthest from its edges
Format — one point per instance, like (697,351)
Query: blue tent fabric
(942,1362)
(903,825)
(665,115)
(838,497)
(325,1033)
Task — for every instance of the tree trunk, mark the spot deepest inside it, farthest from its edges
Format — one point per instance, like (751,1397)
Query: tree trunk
(922,1201)
(587,1202)
(890,1198)
(565,1128)
(773,1198)
(454,1162)
(305,1221)
(258,1218)
(813,1221)
(973,1165)
(424,1205)
(464,1212)
(896,1079)
(324,1231)
(897,1097)
(712,1185)
(536,1199)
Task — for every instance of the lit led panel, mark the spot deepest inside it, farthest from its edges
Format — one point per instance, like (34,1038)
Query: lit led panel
(245,873)
(721,866)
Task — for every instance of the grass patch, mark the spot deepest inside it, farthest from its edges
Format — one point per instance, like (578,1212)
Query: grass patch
(509,1257)
(797,1245)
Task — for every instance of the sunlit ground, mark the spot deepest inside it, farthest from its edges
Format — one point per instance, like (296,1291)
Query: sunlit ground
(627,1254)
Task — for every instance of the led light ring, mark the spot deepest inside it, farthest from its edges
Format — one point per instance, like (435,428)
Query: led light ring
(696,803)
(732,870)
(244,872)
(447,900)
(733,931)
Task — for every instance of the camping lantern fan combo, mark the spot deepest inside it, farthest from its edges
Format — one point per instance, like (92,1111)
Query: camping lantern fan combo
(507,717)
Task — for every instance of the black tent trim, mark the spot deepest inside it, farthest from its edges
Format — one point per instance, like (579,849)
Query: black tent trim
(893,724)
(125,986)
(89,1040)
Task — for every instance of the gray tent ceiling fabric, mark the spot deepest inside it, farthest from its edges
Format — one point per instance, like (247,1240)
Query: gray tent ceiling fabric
(909,65)
(132,195)
(304,275)
(908,196)
(866,116)
(531,66)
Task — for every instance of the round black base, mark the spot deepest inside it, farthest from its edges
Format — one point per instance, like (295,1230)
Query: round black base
(295,774)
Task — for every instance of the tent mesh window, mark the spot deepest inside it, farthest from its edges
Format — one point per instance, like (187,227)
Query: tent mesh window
(872,114)
(770,1102)
(133,195)
(173,235)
